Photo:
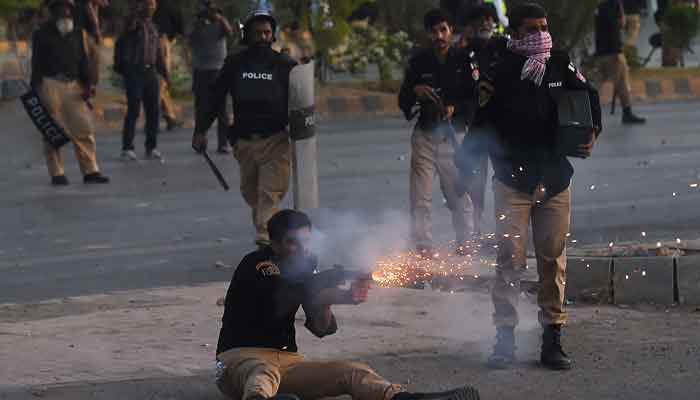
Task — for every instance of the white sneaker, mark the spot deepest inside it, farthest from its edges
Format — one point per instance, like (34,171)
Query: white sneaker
(154,155)
(128,155)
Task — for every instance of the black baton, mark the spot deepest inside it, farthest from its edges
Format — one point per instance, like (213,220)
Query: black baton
(216,171)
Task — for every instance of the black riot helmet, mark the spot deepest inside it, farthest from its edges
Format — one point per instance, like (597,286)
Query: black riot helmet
(258,15)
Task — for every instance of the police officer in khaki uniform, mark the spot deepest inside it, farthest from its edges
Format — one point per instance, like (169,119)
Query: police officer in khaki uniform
(61,77)
(611,61)
(532,180)
(441,81)
(257,79)
(257,353)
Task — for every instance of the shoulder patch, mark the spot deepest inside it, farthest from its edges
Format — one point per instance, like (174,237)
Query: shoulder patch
(267,268)
(572,67)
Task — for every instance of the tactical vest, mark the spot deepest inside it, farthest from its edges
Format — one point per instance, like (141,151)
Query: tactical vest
(261,93)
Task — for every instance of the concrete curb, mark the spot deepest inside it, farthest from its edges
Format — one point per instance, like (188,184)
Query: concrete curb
(377,105)
(634,280)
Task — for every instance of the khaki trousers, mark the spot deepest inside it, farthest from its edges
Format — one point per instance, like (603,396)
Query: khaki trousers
(550,223)
(166,102)
(93,55)
(431,154)
(64,102)
(265,166)
(266,372)
(633,23)
(614,68)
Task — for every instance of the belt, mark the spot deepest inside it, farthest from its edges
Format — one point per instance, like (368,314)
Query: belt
(256,136)
(62,78)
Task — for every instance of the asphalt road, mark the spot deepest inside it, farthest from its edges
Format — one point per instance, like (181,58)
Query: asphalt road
(168,224)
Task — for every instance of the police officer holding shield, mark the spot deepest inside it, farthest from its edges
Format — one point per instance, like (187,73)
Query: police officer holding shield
(61,77)
(257,79)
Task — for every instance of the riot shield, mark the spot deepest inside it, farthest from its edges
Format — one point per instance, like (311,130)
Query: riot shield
(52,132)
(302,130)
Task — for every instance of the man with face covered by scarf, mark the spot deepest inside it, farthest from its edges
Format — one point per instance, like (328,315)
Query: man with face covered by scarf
(532,180)
(257,79)
(61,77)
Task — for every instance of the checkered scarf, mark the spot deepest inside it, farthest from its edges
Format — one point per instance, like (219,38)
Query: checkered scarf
(537,48)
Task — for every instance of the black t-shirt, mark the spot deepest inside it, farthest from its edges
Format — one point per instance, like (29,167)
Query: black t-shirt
(608,28)
(262,302)
(634,6)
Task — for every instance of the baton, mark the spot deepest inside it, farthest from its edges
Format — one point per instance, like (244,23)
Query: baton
(215,170)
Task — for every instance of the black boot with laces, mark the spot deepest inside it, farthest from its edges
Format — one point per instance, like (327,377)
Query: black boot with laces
(553,356)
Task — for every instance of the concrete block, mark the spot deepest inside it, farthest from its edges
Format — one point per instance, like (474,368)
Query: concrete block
(689,280)
(682,86)
(337,104)
(371,103)
(13,88)
(643,280)
(653,88)
(588,279)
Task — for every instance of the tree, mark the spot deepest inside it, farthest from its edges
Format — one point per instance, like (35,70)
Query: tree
(12,10)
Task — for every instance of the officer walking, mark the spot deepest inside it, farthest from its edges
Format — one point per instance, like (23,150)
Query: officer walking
(87,17)
(257,354)
(61,77)
(257,79)
(531,180)
(138,57)
(208,43)
(169,22)
(441,81)
(478,39)
(611,60)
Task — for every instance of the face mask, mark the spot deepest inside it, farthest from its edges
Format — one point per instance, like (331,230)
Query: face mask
(485,35)
(64,25)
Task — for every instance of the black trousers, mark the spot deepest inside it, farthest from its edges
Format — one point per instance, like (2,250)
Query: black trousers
(142,87)
(202,82)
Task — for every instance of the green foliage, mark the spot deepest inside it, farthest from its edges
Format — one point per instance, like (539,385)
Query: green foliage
(682,25)
(375,46)
(10,8)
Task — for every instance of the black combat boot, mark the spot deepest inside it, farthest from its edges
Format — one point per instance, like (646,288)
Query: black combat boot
(96,178)
(463,393)
(59,180)
(503,354)
(628,117)
(553,356)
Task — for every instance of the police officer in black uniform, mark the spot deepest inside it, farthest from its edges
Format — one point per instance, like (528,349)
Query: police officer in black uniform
(442,82)
(257,78)
(481,45)
(532,180)
(257,354)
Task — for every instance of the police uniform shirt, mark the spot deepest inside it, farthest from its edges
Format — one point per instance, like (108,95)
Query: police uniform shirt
(262,302)
(56,55)
(257,79)
(454,80)
(525,117)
